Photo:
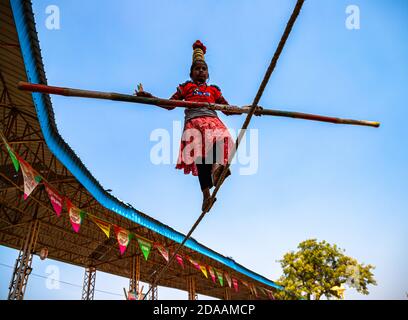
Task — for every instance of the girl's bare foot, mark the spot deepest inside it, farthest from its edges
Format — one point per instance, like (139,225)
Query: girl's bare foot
(217,170)
(206,200)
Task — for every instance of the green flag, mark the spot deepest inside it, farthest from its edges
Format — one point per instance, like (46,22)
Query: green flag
(13,158)
(220,277)
(145,247)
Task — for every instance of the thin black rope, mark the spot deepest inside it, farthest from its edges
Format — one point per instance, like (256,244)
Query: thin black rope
(254,105)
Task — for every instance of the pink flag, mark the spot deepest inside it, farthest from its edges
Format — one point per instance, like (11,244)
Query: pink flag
(212,273)
(194,263)
(56,199)
(227,276)
(123,237)
(235,283)
(179,260)
(75,215)
(163,251)
(31,177)
(131,295)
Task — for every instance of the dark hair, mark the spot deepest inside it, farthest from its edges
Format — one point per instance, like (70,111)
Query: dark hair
(195,63)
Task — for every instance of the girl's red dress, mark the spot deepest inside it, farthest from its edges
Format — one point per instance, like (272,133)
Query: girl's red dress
(211,128)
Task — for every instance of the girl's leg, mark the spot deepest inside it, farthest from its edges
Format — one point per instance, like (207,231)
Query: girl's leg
(206,183)
(216,161)
(217,168)
(204,176)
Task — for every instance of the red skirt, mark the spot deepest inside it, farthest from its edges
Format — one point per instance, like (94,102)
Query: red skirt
(198,139)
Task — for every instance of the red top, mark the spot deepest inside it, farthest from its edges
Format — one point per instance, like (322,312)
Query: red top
(190,91)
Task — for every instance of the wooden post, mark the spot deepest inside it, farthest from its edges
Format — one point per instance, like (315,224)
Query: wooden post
(135,274)
(227,293)
(191,287)
(22,268)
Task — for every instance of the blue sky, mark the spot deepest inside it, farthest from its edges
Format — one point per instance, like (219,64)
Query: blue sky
(343,184)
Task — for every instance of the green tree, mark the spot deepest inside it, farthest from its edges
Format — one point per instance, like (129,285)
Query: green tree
(317,267)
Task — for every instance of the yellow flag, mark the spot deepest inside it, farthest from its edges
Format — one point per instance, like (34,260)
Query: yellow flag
(204,270)
(105,227)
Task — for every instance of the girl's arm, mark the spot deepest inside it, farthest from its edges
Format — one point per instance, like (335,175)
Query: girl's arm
(149,95)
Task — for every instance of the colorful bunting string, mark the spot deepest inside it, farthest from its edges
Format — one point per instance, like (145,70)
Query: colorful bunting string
(76,216)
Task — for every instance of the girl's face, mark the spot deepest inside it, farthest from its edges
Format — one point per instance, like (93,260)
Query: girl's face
(199,73)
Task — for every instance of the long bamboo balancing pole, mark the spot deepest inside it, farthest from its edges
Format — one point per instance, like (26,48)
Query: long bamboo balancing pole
(70,92)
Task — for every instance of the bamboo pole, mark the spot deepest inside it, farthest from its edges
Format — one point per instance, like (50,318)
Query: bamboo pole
(70,92)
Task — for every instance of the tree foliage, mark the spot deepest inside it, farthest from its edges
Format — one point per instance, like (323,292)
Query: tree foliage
(317,267)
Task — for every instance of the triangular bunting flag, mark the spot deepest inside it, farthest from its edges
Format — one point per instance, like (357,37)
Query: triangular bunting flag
(204,270)
(31,177)
(145,247)
(104,226)
(13,157)
(235,284)
(163,251)
(179,260)
(245,283)
(55,198)
(123,236)
(212,273)
(227,276)
(255,292)
(220,277)
(131,295)
(262,290)
(75,215)
(194,263)
(270,295)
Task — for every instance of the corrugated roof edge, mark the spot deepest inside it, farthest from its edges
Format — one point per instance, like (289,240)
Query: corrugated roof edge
(24,21)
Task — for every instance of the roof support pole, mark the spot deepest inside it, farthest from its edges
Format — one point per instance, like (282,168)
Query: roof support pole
(227,293)
(135,274)
(153,293)
(88,289)
(191,288)
(22,268)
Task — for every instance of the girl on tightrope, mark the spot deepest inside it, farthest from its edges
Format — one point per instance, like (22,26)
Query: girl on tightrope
(206,143)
